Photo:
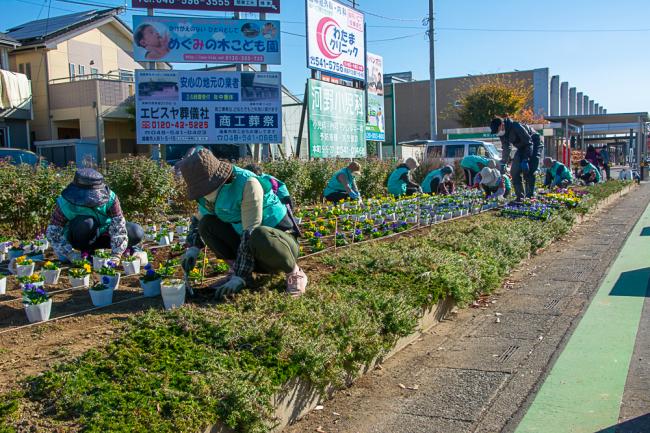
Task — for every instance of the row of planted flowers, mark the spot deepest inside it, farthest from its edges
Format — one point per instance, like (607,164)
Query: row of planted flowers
(544,204)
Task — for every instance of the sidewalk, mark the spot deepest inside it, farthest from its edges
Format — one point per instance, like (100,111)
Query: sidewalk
(474,373)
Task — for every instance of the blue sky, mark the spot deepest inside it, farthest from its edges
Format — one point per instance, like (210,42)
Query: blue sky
(602,54)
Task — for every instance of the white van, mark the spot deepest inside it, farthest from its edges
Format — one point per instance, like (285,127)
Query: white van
(453,150)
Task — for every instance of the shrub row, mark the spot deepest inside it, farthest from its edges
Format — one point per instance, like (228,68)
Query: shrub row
(182,370)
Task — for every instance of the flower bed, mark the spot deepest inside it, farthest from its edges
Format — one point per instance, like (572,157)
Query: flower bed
(191,367)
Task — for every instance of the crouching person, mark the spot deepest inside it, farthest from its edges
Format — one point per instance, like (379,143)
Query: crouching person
(242,221)
(494,184)
(343,184)
(439,181)
(87,216)
(589,173)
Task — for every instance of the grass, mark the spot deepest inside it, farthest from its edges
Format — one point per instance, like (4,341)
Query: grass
(183,370)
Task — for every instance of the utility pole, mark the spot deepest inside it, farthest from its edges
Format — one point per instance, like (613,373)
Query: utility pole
(432,76)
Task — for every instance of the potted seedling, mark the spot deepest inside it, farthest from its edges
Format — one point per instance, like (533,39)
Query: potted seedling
(173,292)
(109,270)
(150,282)
(37,303)
(35,279)
(41,244)
(80,274)
(131,265)
(51,273)
(182,228)
(100,258)
(24,266)
(163,239)
(101,294)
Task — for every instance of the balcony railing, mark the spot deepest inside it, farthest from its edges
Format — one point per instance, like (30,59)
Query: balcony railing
(119,75)
(109,89)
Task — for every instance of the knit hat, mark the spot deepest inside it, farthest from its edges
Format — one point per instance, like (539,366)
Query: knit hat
(495,125)
(489,176)
(87,189)
(203,173)
(447,169)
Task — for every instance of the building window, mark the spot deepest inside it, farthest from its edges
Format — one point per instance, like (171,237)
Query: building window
(82,70)
(71,67)
(94,72)
(25,68)
(126,75)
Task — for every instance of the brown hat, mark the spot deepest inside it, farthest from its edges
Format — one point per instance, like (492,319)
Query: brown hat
(203,173)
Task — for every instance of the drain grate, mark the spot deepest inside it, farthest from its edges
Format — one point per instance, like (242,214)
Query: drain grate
(552,304)
(508,353)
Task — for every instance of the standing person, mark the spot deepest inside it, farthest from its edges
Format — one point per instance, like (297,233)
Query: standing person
(242,221)
(494,184)
(589,173)
(604,156)
(400,181)
(557,174)
(343,184)
(591,155)
(472,165)
(439,181)
(87,216)
(527,157)
(277,186)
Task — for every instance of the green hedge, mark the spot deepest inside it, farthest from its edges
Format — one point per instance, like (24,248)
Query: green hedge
(182,370)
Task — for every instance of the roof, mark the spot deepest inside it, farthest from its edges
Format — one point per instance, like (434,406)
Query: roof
(39,31)
(601,119)
(8,40)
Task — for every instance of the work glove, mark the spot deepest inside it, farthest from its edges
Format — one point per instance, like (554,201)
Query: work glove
(523,165)
(354,195)
(234,285)
(189,259)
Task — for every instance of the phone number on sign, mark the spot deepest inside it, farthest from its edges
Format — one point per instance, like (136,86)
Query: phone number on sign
(177,125)
(329,65)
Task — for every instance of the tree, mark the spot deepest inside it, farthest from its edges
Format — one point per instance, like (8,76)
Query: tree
(487,98)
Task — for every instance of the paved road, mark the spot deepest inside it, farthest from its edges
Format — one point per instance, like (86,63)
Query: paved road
(570,351)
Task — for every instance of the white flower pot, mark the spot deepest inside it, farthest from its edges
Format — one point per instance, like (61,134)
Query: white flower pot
(390,217)
(150,237)
(43,246)
(131,268)
(152,228)
(173,294)
(24,270)
(78,283)
(51,276)
(163,241)
(182,239)
(3,285)
(99,262)
(39,312)
(3,257)
(456,214)
(4,248)
(142,257)
(101,298)
(151,288)
(448,215)
(182,229)
(113,280)
(170,236)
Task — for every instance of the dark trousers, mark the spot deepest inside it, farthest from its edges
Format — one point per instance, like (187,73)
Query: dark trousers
(410,190)
(337,196)
(489,191)
(533,163)
(469,177)
(606,167)
(83,235)
(274,250)
(517,174)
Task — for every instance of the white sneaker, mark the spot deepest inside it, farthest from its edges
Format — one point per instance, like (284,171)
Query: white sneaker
(296,282)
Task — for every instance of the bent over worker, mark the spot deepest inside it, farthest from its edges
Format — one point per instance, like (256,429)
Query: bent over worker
(400,181)
(439,181)
(242,221)
(557,174)
(494,183)
(343,184)
(589,173)
(472,165)
(87,216)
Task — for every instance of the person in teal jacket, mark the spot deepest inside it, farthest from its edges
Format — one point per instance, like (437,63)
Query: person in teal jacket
(557,174)
(589,173)
(278,187)
(400,182)
(242,221)
(439,181)
(343,184)
(472,165)
(494,183)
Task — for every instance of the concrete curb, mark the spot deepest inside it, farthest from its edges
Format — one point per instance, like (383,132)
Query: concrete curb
(299,397)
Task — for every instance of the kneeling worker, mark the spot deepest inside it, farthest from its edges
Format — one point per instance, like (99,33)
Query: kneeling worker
(557,174)
(589,173)
(87,216)
(400,182)
(242,221)
(494,183)
(343,184)
(439,181)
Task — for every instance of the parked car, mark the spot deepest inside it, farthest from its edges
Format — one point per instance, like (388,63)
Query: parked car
(21,156)
(453,150)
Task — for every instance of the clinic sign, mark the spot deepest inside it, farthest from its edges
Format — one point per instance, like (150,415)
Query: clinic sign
(375,129)
(255,6)
(337,122)
(209,40)
(336,39)
(199,107)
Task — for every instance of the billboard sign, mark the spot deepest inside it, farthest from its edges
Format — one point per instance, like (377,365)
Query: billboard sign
(174,107)
(337,121)
(336,39)
(255,6)
(206,40)
(376,128)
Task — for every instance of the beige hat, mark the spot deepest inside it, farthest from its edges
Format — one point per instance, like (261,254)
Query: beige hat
(412,162)
(489,176)
(203,173)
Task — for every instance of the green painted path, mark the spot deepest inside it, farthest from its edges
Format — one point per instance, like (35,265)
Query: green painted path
(583,391)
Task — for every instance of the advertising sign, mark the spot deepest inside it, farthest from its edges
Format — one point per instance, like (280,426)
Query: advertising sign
(337,122)
(206,40)
(376,129)
(201,107)
(256,6)
(335,39)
